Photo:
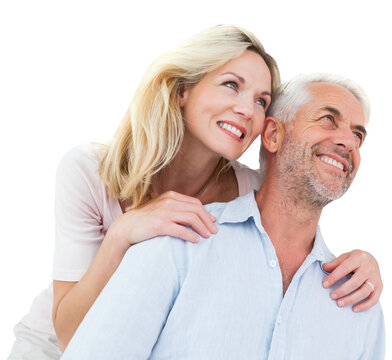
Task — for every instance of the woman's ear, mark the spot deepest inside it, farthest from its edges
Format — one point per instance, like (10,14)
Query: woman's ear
(182,95)
(272,135)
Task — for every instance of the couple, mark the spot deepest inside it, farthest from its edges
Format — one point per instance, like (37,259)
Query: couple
(253,288)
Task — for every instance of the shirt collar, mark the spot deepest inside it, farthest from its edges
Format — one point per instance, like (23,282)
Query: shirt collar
(240,209)
(320,250)
(245,207)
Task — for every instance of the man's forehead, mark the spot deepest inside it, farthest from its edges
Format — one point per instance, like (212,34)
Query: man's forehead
(327,91)
(336,99)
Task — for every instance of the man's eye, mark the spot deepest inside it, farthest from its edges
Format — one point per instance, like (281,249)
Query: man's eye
(329,120)
(329,117)
(231,84)
(359,136)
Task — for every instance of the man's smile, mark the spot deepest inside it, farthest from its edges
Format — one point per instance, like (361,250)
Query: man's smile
(332,162)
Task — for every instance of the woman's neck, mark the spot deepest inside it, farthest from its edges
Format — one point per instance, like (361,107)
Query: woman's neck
(186,174)
(192,172)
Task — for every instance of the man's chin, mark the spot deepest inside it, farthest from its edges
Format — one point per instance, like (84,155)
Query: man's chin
(335,194)
(328,191)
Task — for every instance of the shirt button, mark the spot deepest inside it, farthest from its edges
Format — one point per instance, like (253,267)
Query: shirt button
(272,263)
(279,320)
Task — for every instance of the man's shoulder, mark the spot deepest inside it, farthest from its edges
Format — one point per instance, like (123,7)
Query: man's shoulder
(160,244)
(176,248)
(167,248)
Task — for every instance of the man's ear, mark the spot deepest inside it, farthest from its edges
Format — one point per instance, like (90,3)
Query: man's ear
(272,135)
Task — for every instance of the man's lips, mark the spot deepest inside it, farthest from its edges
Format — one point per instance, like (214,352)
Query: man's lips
(233,129)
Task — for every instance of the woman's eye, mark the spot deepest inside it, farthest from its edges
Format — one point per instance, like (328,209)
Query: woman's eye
(261,102)
(231,84)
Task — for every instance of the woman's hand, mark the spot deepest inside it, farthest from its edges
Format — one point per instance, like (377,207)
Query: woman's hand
(359,286)
(168,214)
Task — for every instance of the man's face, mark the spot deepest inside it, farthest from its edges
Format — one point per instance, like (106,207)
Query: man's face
(320,152)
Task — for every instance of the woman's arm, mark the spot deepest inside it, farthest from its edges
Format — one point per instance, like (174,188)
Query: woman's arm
(165,215)
(72,300)
(365,269)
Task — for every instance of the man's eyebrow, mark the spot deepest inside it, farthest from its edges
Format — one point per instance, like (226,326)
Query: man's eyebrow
(337,113)
(333,110)
(242,81)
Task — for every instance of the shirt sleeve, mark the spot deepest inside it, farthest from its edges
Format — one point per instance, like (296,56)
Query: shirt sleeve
(78,218)
(128,316)
(374,347)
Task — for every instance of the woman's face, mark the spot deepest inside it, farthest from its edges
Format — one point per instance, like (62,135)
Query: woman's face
(225,111)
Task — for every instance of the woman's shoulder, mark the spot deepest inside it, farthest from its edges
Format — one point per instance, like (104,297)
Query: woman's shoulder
(82,159)
(248,179)
(78,171)
(84,156)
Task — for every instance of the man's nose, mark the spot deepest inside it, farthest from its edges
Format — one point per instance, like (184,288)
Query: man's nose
(345,137)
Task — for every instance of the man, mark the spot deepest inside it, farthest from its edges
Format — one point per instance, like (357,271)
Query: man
(252,290)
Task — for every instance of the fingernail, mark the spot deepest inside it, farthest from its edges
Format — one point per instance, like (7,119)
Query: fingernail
(214,228)
(325,283)
(340,303)
(355,310)
(208,234)
(333,296)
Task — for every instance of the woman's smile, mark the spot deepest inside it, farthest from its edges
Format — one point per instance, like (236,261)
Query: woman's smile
(234,130)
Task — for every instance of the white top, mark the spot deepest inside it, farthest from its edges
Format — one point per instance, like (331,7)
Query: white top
(83,212)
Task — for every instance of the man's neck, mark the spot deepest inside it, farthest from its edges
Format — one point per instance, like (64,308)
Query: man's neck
(290,224)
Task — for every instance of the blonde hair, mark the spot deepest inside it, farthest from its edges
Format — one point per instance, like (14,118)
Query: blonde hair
(152,130)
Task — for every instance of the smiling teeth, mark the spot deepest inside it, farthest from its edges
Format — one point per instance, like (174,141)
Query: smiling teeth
(333,162)
(230,128)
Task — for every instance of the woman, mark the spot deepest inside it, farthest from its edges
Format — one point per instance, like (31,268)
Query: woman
(197,109)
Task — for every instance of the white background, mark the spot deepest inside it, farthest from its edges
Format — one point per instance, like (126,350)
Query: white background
(68,70)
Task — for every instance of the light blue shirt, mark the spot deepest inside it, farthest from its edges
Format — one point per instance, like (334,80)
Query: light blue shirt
(223,299)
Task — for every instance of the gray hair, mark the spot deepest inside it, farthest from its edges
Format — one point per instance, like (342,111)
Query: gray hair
(294,94)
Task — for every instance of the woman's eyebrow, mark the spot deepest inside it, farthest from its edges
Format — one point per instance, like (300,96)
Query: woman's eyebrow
(240,78)
(242,81)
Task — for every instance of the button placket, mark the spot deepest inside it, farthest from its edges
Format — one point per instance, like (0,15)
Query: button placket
(272,263)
